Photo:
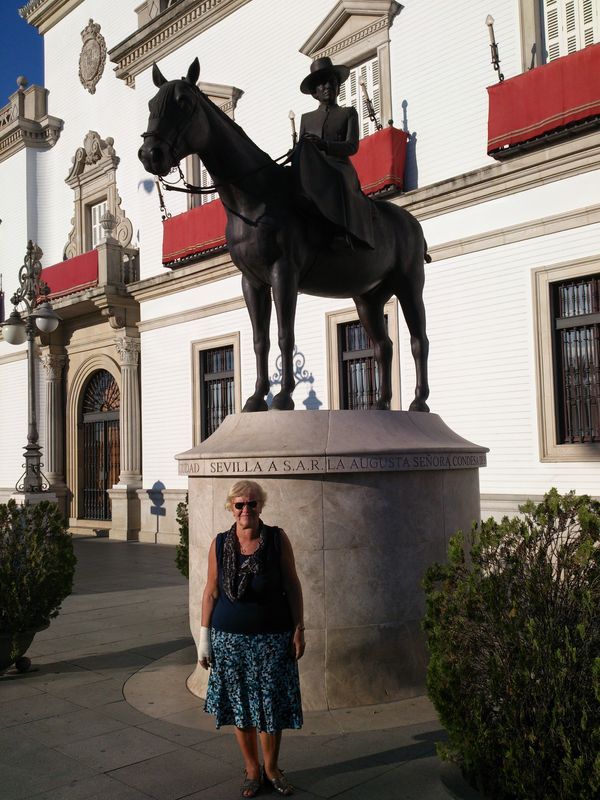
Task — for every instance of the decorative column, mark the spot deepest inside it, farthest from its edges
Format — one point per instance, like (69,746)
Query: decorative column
(125,503)
(53,365)
(130,425)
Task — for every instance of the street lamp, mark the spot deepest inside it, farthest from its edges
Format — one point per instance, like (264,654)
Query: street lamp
(33,295)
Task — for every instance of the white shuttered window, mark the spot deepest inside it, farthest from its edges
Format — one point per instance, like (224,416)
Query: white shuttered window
(351,94)
(570,25)
(96,213)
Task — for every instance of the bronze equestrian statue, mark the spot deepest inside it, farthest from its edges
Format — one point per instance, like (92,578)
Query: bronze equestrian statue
(281,244)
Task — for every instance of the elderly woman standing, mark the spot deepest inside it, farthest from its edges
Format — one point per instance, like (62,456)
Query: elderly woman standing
(252,636)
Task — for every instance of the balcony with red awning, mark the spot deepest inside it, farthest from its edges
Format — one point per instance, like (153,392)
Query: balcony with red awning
(72,275)
(380,166)
(109,264)
(556,99)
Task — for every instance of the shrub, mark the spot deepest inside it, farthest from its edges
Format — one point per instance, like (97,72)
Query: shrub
(37,564)
(182,551)
(513,631)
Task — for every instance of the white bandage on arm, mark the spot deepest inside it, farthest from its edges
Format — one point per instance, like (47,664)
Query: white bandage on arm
(204,645)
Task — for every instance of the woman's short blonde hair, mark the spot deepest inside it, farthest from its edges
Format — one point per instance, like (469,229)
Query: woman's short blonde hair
(242,488)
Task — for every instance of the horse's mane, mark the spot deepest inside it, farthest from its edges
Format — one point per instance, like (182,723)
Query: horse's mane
(231,123)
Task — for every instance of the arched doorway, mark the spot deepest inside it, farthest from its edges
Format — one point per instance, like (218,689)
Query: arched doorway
(100,452)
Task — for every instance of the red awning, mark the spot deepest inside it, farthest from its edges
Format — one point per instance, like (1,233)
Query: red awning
(379,163)
(380,160)
(544,99)
(196,231)
(72,275)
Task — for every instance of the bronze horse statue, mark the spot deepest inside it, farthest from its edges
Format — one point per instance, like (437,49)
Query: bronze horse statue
(281,249)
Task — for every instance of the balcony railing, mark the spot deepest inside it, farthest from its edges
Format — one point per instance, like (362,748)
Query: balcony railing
(554,100)
(380,166)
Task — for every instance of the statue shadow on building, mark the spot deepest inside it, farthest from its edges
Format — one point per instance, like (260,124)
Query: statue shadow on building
(411,167)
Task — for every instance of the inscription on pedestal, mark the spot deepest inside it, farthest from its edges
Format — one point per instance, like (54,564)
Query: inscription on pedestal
(297,465)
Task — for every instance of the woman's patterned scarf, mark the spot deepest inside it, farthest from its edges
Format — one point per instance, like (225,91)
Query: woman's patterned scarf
(235,582)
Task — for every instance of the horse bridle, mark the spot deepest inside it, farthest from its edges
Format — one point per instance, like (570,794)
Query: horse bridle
(190,188)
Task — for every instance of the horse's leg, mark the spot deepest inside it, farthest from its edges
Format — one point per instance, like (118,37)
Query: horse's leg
(284,282)
(370,312)
(258,302)
(410,295)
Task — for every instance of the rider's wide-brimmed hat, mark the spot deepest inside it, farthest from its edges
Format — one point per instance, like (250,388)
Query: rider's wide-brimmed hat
(321,68)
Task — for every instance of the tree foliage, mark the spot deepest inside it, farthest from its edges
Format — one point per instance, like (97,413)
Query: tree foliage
(37,564)
(513,630)
(182,551)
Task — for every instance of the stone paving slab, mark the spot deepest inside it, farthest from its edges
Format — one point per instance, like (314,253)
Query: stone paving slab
(27,709)
(110,751)
(176,775)
(98,787)
(65,728)
(28,768)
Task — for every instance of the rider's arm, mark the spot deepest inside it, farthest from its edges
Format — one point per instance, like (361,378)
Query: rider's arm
(348,146)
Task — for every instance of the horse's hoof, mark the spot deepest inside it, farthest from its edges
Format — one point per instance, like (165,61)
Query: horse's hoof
(282,402)
(418,405)
(382,405)
(255,404)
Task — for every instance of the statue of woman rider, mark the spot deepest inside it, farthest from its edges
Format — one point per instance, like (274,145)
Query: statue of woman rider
(327,179)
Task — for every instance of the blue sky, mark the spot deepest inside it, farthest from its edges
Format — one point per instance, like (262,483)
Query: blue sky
(21,50)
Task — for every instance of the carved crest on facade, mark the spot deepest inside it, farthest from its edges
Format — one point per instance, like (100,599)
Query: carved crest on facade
(92,57)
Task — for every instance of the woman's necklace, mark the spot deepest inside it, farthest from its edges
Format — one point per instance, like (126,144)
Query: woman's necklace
(249,547)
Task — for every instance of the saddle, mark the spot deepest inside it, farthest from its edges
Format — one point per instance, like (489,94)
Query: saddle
(329,187)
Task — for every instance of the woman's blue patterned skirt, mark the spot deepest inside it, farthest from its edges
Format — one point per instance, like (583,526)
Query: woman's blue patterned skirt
(253,682)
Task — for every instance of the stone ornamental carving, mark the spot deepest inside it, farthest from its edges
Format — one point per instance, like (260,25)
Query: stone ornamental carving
(53,365)
(128,349)
(93,176)
(92,57)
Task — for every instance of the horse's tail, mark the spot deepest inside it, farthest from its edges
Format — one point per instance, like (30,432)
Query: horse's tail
(426,255)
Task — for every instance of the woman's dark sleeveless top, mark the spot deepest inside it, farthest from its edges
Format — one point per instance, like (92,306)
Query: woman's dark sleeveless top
(264,607)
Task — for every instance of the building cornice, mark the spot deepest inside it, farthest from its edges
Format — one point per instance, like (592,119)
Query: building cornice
(167,32)
(206,271)
(319,43)
(44,14)
(562,160)
(511,234)
(24,122)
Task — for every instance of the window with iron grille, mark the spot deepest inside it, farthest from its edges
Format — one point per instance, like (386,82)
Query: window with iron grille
(576,312)
(100,435)
(217,386)
(359,373)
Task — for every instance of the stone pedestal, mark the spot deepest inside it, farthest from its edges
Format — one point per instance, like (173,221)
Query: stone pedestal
(369,499)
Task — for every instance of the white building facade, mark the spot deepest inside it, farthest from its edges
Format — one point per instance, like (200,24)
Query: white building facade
(156,344)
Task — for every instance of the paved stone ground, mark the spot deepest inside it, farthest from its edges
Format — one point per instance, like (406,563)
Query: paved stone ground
(104,713)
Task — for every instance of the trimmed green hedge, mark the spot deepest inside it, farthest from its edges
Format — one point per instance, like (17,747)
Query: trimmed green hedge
(182,551)
(513,628)
(37,564)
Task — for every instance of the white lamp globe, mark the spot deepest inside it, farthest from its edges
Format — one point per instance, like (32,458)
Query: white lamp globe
(46,318)
(13,329)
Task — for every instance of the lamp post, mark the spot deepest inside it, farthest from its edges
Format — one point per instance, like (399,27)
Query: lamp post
(39,315)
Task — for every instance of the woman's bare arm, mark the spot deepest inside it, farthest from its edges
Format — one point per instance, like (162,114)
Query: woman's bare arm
(209,597)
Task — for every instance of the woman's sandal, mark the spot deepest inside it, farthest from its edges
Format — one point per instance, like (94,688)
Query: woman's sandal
(281,785)
(250,786)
